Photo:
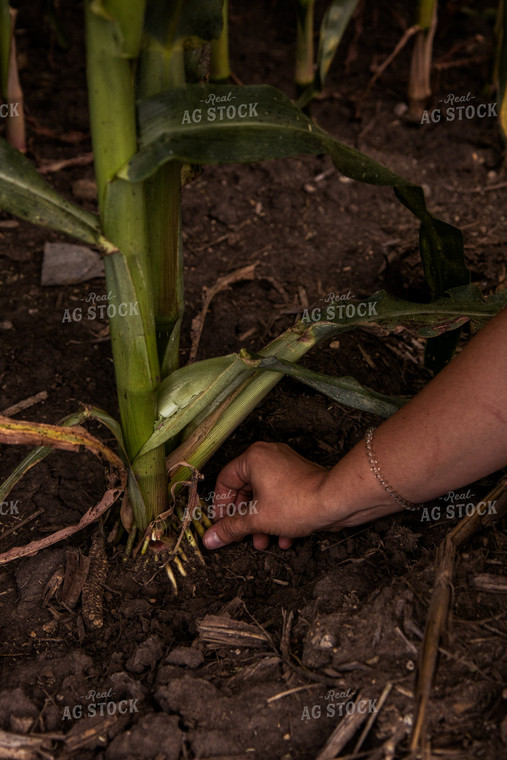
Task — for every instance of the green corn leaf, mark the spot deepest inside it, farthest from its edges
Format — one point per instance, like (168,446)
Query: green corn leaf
(199,443)
(261,123)
(137,502)
(258,123)
(345,390)
(291,345)
(440,243)
(111,84)
(333,25)
(304,71)
(219,68)
(226,124)
(441,247)
(178,390)
(183,20)
(451,311)
(129,17)
(425,10)
(391,313)
(96,413)
(189,391)
(24,193)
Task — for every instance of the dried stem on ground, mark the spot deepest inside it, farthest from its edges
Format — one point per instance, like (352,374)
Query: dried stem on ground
(440,602)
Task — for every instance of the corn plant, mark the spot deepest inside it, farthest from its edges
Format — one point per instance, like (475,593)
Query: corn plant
(220,70)
(419,85)
(311,73)
(152,122)
(11,93)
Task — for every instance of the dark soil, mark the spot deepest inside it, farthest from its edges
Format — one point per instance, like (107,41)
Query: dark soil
(353,605)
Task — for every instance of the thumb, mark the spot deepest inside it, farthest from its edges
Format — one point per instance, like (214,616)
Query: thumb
(228,529)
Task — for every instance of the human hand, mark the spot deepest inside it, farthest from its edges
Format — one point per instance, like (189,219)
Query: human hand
(275,492)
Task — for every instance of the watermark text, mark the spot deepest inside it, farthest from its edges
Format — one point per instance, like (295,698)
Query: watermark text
(220,108)
(99,309)
(9,110)
(339,704)
(457,506)
(222,510)
(9,508)
(341,311)
(453,112)
(99,704)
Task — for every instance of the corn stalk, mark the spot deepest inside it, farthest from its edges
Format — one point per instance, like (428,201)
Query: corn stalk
(419,86)
(10,87)
(150,49)
(110,73)
(220,70)
(304,72)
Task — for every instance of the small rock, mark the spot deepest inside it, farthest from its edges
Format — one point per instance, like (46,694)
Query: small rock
(326,641)
(50,627)
(65,264)
(6,325)
(187,656)
(400,109)
(322,640)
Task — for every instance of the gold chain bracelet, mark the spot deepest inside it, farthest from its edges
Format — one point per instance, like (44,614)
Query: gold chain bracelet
(375,468)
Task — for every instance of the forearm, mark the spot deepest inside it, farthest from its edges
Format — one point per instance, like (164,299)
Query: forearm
(450,434)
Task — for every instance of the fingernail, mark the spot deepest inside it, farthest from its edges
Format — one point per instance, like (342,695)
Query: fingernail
(211,540)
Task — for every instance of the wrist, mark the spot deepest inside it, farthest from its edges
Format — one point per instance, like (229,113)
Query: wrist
(378,473)
(350,493)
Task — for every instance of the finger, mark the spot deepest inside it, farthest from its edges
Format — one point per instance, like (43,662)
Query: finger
(284,542)
(261,541)
(227,530)
(234,476)
(221,508)
(231,486)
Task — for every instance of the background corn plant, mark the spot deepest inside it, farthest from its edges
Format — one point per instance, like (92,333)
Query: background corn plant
(311,71)
(10,89)
(153,119)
